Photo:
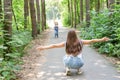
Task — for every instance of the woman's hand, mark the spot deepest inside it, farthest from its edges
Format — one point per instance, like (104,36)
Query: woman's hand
(105,39)
(40,48)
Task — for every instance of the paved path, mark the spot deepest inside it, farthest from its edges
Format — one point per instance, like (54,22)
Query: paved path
(96,67)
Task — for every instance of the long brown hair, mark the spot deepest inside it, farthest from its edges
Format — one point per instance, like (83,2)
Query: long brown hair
(73,44)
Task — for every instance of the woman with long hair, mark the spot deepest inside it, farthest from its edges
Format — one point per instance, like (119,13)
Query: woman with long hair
(73,47)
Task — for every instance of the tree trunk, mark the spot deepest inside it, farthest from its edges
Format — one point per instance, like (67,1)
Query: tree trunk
(78,11)
(74,13)
(42,6)
(33,18)
(87,13)
(38,16)
(7,24)
(97,6)
(1,10)
(68,6)
(71,13)
(26,13)
(81,10)
(107,4)
(44,14)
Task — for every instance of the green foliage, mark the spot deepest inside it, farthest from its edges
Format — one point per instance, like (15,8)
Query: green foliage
(18,8)
(105,24)
(66,19)
(7,68)
(65,15)
(1,42)
(19,40)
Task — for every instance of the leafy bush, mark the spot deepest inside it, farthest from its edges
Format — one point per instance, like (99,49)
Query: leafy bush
(105,24)
(8,67)
(19,40)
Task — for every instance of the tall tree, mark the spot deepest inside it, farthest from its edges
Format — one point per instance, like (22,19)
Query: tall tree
(71,6)
(87,12)
(33,18)
(26,13)
(38,16)
(68,6)
(97,5)
(43,15)
(75,14)
(7,24)
(78,11)
(81,10)
(69,16)
(107,4)
(0,9)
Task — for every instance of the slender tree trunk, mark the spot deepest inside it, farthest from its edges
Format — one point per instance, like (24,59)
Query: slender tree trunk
(38,16)
(7,25)
(44,14)
(87,13)
(69,11)
(1,10)
(97,6)
(74,13)
(81,10)
(43,19)
(78,11)
(68,6)
(26,13)
(33,18)
(107,4)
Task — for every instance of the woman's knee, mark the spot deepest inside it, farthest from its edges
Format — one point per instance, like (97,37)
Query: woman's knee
(81,64)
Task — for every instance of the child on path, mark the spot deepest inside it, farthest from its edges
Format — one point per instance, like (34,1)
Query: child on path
(56,29)
(73,47)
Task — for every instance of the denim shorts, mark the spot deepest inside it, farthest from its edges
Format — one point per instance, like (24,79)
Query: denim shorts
(73,62)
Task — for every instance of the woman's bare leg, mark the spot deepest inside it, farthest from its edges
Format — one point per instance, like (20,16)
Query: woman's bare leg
(79,71)
(68,73)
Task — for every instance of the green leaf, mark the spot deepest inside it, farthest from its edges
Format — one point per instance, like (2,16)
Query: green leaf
(2,47)
(5,73)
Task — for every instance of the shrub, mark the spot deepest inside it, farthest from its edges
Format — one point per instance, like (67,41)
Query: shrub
(105,24)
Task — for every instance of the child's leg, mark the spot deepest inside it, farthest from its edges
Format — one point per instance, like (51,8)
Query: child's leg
(57,35)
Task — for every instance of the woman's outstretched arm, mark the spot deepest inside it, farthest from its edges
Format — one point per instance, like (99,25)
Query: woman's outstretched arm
(95,40)
(59,45)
